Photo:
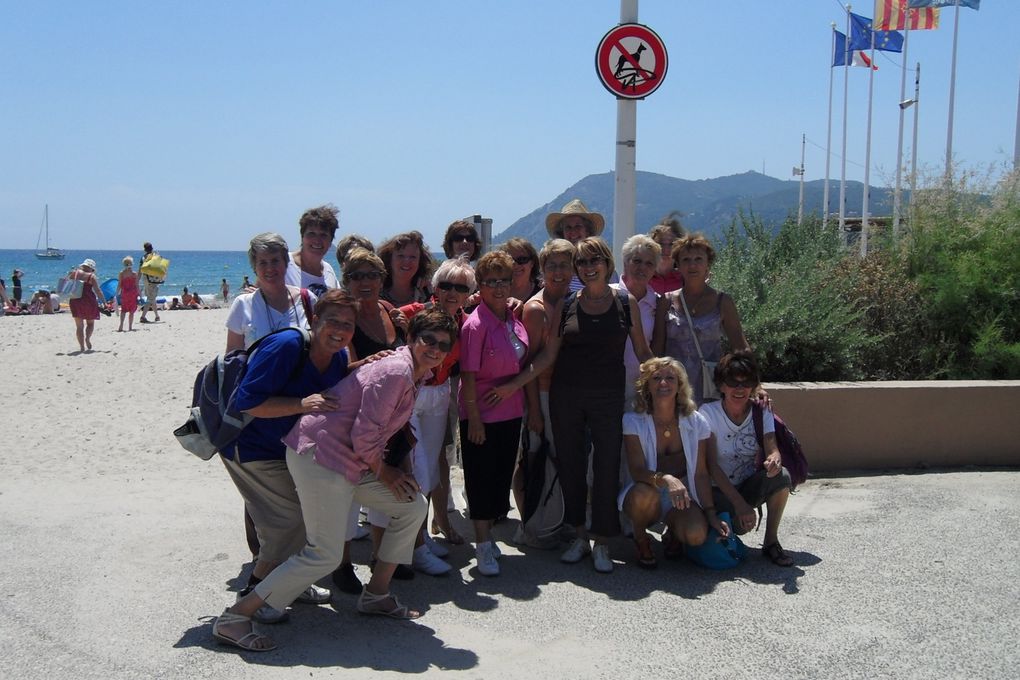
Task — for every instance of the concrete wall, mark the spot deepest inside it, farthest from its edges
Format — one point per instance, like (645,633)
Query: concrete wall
(876,425)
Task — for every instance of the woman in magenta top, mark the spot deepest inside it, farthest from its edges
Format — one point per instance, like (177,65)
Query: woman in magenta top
(493,343)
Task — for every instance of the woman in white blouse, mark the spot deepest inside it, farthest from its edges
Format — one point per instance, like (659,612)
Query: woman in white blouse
(666,443)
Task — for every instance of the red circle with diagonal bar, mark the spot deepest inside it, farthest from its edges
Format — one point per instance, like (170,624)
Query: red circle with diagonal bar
(631,61)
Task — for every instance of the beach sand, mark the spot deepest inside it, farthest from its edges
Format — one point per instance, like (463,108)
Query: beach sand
(119,546)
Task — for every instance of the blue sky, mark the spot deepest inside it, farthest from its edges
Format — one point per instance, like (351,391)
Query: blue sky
(198,124)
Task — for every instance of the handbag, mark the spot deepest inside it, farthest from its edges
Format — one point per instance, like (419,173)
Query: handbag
(69,288)
(708,386)
(718,552)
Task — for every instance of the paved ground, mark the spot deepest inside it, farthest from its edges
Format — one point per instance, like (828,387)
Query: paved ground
(901,575)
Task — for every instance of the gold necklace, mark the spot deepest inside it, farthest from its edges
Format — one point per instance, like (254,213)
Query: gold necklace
(668,432)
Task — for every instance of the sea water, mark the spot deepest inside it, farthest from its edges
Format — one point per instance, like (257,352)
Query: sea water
(202,271)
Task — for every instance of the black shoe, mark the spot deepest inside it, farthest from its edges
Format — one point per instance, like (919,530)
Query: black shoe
(403,572)
(346,580)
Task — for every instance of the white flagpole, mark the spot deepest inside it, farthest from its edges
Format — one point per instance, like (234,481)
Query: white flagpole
(952,99)
(842,176)
(913,148)
(867,151)
(1016,135)
(800,202)
(828,136)
(899,139)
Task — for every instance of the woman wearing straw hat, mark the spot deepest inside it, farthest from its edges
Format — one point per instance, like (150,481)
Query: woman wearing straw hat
(573,223)
(85,307)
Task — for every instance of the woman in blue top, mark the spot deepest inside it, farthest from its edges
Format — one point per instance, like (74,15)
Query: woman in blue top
(282,383)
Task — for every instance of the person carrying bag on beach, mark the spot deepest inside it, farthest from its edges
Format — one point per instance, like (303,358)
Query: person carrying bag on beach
(152,280)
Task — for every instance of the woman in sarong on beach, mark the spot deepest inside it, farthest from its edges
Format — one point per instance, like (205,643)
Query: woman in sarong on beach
(127,291)
(336,459)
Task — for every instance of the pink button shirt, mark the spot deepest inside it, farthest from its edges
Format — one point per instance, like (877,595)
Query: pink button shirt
(486,351)
(376,400)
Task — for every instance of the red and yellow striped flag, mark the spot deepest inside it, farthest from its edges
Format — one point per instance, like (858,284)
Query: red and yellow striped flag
(890,15)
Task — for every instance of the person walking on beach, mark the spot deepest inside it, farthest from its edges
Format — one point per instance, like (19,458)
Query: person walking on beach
(85,307)
(16,285)
(127,291)
(225,290)
(152,284)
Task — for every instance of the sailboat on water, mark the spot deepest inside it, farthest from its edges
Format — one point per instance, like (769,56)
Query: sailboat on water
(49,253)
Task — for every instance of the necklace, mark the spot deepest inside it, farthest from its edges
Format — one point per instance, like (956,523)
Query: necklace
(668,425)
(600,298)
(694,305)
(285,321)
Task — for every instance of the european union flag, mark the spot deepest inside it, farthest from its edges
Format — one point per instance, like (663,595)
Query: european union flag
(861,36)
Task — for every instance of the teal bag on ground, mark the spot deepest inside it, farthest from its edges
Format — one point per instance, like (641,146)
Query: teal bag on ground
(718,552)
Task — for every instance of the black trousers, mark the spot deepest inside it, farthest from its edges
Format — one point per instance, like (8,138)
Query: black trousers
(489,468)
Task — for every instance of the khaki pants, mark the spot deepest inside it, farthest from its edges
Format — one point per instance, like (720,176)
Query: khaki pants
(271,501)
(326,499)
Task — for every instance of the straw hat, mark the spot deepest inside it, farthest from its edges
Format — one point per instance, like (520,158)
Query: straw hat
(88,262)
(575,207)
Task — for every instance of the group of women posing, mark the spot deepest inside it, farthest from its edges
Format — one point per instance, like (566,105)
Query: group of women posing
(356,413)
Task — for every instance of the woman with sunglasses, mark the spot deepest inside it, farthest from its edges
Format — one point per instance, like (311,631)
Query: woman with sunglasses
(526,279)
(746,471)
(586,396)
(462,239)
(493,345)
(336,459)
(408,265)
(453,281)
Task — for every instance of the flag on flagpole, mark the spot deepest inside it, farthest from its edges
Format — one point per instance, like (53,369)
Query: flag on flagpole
(857,57)
(973,4)
(892,15)
(861,36)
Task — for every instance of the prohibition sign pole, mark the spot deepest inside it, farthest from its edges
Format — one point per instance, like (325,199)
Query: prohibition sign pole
(631,62)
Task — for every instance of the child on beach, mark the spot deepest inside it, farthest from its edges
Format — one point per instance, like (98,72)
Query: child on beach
(127,293)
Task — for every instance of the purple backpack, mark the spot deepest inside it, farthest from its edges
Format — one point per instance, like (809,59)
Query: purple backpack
(789,447)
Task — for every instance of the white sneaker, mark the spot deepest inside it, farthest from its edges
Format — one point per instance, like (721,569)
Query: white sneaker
(576,552)
(436,549)
(487,564)
(424,561)
(600,558)
(314,594)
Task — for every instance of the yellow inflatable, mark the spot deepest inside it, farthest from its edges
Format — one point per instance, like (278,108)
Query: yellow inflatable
(156,266)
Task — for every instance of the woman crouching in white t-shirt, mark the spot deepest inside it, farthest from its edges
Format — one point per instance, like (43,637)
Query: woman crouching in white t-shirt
(746,472)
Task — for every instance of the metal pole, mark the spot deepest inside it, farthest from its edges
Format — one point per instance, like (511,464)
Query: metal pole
(1016,135)
(867,155)
(800,203)
(625,189)
(828,136)
(952,100)
(913,147)
(899,137)
(842,176)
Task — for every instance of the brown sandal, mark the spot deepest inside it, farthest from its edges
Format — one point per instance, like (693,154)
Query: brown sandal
(645,556)
(449,534)
(775,554)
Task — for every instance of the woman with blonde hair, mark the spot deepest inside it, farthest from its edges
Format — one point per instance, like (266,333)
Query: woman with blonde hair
(667,478)
(127,293)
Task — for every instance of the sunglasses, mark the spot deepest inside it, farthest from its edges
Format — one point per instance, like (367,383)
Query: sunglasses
(523,259)
(740,383)
(590,262)
(361,276)
(430,340)
(450,285)
(495,283)
(464,238)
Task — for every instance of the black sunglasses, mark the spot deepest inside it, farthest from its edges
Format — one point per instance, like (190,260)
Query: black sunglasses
(523,259)
(361,276)
(432,341)
(590,262)
(496,283)
(471,238)
(450,285)
(740,383)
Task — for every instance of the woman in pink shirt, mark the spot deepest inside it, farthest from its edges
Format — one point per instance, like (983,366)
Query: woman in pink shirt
(493,343)
(336,457)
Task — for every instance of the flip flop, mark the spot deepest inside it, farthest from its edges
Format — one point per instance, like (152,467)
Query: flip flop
(645,555)
(246,642)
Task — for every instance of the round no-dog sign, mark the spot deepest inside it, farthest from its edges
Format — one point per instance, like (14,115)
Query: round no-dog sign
(631,61)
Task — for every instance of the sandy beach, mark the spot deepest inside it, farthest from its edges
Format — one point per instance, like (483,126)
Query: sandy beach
(120,546)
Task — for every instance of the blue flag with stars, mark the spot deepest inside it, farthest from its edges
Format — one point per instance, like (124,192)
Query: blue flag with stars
(861,32)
